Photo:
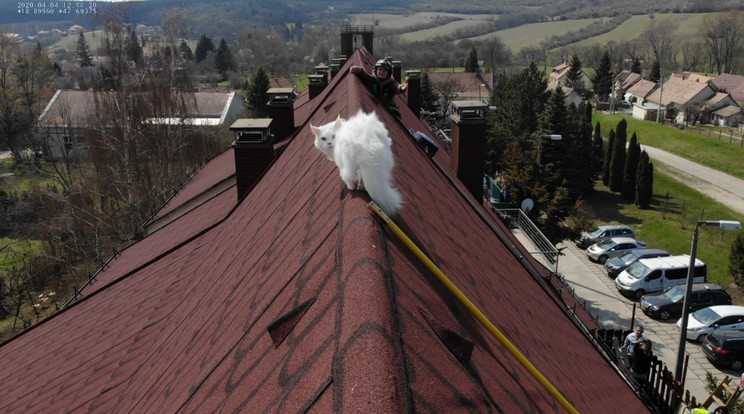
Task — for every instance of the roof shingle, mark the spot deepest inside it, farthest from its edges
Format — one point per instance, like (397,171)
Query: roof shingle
(297,300)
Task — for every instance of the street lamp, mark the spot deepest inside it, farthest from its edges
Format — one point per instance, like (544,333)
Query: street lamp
(553,137)
(726,225)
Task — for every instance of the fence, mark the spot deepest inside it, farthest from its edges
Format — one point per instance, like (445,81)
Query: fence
(661,393)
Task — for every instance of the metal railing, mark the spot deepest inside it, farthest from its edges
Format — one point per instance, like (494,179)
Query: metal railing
(515,218)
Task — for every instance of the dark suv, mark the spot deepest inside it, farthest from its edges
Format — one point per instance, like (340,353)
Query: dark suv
(668,304)
(725,348)
(602,233)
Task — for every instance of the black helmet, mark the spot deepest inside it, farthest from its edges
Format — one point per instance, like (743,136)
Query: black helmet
(384,63)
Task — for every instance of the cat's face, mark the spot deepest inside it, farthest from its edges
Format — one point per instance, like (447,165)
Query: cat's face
(325,136)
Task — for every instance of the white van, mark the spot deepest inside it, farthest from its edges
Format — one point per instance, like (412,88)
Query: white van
(656,274)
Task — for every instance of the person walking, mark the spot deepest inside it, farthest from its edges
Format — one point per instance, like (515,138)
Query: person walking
(631,340)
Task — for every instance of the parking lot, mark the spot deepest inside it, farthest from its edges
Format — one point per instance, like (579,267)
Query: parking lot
(615,311)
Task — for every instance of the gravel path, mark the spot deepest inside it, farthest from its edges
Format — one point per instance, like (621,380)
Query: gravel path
(719,186)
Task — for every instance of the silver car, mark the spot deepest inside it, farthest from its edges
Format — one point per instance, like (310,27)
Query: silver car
(602,233)
(600,252)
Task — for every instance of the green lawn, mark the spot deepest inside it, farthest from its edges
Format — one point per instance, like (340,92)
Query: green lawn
(710,151)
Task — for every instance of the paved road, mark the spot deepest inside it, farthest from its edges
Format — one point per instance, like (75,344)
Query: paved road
(719,186)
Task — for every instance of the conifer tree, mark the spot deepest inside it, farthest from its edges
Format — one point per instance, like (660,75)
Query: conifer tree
(603,78)
(655,75)
(223,60)
(471,64)
(597,150)
(429,97)
(644,182)
(617,164)
(575,73)
(736,259)
(636,68)
(257,88)
(608,158)
(185,51)
(134,50)
(631,167)
(83,53)
(203,46)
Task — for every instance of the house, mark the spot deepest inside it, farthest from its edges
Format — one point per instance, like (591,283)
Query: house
(559,77)
(465,85)
(733,84)
(71,112)
(285,293)
(623,82)
(572,95)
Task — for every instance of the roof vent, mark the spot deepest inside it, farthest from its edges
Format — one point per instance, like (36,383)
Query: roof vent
(280,328)
(461,347)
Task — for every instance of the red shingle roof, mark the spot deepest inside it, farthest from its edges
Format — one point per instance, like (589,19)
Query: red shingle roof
(297,300)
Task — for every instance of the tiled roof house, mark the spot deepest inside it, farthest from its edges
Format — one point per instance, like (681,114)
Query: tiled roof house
(70,112)
(733,84)
(293,297)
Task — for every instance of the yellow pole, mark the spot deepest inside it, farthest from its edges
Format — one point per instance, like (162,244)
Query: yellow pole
(393,228)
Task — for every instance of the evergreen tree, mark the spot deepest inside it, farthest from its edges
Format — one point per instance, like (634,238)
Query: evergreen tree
(83,53)
(603,78)
(429,97)
(471,64)
(519,100)
(644,182)
(631,167)
(585,155)
(597,150)
(736,259)
(223,58)
(575,73)
(655,75)
(608,158)
(203,46)
(636,67)
(617,164)
(257,88)
(185,51)
(134,50)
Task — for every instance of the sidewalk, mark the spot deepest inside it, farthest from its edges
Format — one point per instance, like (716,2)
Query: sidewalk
(591,284)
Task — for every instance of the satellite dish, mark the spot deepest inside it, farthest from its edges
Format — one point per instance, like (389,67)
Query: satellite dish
(527,205)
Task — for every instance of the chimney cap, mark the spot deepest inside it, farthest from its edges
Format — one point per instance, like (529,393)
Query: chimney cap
(414,74)
(468,111)
(250,123)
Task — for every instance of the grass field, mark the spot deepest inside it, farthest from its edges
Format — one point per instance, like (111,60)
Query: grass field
(686,30)
(530,35)
(712,152)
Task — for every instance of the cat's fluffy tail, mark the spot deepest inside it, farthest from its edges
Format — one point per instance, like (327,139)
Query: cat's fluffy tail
(377,183)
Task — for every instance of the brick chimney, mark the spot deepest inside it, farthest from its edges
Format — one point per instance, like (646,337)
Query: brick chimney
(397,70)
(469,144)
(350,38)
(336,64)
(281,110)
(254,151)
(318,81)
(414,91)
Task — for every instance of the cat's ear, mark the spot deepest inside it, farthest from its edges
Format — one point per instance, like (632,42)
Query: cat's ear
(338,120)
(315,130)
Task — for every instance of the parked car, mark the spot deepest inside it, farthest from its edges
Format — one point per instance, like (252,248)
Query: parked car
(708,320)
(726,348)
(658,273)
(615,265)
(667,304)
(602,233)
(600,252)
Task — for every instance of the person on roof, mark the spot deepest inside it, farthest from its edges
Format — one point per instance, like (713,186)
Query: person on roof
(382,83)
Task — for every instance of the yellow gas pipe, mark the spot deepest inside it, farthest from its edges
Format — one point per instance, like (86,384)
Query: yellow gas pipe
(395,230)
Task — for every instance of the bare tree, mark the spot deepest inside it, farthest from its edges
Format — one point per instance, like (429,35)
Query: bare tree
(660,40)
(723,35)
(447,86)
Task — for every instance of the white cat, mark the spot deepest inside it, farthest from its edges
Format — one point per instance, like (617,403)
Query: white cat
(360,147)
